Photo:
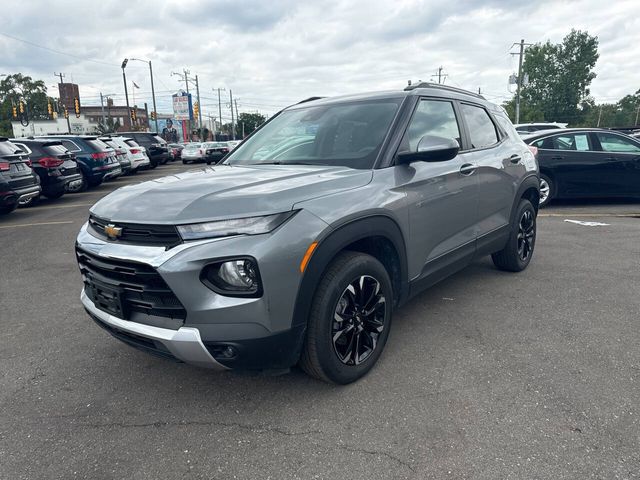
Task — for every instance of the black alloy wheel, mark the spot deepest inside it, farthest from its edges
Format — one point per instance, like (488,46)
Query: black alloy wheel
(526,235)
(359,320)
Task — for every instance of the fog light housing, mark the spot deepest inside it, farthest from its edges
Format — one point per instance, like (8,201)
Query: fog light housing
(236,277)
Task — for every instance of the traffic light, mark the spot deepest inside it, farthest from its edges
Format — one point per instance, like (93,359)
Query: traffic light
(153,115)
(196,109)
(50,109)
(14,110)
(134,114)
(21,106)
(66,112)
(76,106)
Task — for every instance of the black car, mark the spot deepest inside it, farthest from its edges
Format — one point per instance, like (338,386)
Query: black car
(157,149)
(53,163)
(18,183)
(96,159)
(121,154)
(215,151)
(583,163)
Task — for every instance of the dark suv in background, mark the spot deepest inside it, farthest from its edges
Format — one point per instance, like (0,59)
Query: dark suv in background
(97,161)
(156,147)
(53,163)
(302,243)
(19,185)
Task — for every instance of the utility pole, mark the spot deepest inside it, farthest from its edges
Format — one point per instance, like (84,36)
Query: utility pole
(441,76)
(637,113)
(235,100)
(220,108)
(153,95)
(199,110)
(126,94)
(104,120)
(599,116)
(519,84)
(233,126)
(61,75)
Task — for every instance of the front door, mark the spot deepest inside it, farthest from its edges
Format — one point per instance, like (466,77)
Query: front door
(442,196)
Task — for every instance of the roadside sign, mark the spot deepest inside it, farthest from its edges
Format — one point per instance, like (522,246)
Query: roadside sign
(182,108)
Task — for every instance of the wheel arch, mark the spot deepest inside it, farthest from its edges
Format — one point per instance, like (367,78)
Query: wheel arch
(529,189)
(377,235)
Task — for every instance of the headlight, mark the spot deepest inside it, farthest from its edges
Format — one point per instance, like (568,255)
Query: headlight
(237,277)
(237,226)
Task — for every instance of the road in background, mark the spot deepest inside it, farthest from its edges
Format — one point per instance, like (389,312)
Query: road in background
(486,375)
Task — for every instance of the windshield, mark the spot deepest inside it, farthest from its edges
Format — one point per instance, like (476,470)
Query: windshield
(340,134)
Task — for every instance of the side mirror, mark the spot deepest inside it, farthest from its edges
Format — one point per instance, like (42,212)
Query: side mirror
(431,148)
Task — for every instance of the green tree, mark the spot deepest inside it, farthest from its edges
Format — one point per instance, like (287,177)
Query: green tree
(251,122)
(110,126)
(559,77)
(34,92)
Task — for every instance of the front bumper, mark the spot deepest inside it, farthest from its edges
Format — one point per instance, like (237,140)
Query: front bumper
(184,344)
(259,330)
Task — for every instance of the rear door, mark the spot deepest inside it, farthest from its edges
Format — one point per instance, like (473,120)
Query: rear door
(622,155)
(573,164)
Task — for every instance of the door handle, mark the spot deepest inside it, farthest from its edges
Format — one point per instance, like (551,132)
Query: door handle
(515,158)
(557,158)
(467,169)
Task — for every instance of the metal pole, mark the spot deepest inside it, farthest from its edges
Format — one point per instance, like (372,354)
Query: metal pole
(126,94)
(219,111)
(233,126)
(153,95)
(637,113)
(519,81)
(199,110)
(186,82)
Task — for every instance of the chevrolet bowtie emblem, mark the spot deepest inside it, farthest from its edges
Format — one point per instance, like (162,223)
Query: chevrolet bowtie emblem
(112,231)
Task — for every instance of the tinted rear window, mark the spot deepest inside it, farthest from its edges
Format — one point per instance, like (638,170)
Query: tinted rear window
(159,139)
(98,145)
(8,148)
(55,150)
(131,143)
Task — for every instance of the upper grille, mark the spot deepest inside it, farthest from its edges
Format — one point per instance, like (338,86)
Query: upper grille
(127,289)
(137,234)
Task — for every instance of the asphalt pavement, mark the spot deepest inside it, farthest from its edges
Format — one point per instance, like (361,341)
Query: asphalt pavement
(488,375)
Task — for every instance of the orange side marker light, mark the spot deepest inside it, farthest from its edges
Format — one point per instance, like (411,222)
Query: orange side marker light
(307,256)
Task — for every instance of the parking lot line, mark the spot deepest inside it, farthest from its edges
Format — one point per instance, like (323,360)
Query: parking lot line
(570,214)
(34,224)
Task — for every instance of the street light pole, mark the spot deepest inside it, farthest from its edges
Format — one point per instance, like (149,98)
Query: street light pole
(153,90)
(126,93)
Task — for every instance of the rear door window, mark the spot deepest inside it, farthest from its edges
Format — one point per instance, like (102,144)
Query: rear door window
(98,145)
(55,150)
(72,147)
(8,148)
(571,141)
(482,131)
(617,143)
(131,143)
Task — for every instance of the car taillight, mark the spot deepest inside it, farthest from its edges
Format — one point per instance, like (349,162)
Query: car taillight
(225,150)
(28,162)
(533,149)
(4,166)
(50,162)
(201,152)
(135,150)
(99,155)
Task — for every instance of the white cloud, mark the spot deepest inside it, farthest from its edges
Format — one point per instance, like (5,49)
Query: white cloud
(275,53)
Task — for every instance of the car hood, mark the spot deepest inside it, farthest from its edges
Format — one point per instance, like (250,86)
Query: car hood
(225,191)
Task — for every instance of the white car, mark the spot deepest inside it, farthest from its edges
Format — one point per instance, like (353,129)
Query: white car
(137,154)
(193,152)
(528,128)
(233,144)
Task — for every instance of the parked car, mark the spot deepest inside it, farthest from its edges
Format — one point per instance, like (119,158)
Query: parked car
(581,163)
(215,151)
(96,159)
(302,257)
(54,164)
(193,152)
(175,149)
(137,154)
(527,128)
(19,185)
(232,144)
(155,146)
(121,154)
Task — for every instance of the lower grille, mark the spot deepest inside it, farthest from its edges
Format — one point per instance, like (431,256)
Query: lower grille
(22,182)
(138,234)
(129,290)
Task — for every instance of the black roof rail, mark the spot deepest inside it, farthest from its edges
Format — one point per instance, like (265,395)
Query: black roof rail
(408,88)
(310,99)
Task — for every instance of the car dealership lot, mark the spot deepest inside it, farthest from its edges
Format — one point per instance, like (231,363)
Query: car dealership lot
(487,375)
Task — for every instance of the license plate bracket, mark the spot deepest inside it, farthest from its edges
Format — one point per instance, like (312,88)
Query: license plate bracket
(108,299)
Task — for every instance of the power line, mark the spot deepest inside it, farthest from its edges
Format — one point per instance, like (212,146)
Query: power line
(57,51)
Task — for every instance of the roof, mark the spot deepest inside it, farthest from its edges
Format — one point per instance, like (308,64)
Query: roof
(422,88)
(558,131)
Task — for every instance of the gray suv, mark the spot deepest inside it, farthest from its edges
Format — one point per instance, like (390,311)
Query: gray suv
(301,244)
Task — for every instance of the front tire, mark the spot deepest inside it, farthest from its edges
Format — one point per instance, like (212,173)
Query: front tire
(350,319)
(517,254)
(546,190)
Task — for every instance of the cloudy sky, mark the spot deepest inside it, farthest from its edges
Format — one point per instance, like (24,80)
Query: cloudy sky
(273,53)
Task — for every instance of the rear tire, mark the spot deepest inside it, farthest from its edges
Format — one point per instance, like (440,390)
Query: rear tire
(517,254)
(54,196)
(350,319)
